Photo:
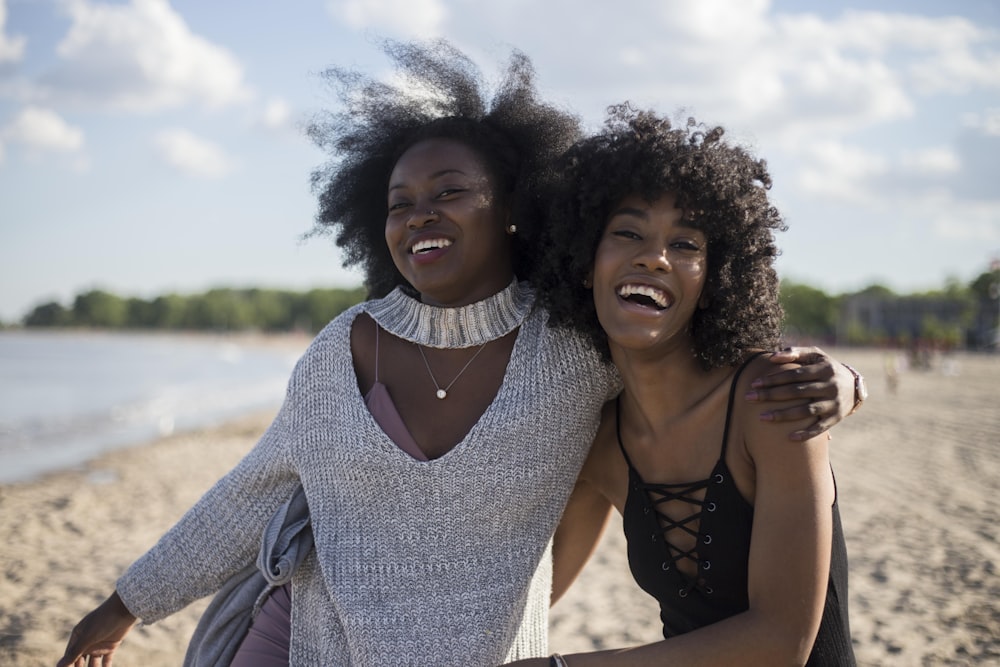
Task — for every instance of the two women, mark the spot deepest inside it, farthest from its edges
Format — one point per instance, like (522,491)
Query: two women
(437,430)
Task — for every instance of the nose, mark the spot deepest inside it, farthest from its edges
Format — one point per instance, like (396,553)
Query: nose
(422,216)
(653,258)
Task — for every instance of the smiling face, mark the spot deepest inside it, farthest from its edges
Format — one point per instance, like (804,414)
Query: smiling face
(445,226)
(649,274)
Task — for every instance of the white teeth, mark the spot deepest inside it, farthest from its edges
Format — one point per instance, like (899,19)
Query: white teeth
(657,296)
(429,244)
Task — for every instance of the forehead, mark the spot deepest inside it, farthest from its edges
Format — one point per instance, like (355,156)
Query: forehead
(429,157)
(662,209)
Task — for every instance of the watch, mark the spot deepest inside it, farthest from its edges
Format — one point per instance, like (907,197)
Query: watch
(860,389)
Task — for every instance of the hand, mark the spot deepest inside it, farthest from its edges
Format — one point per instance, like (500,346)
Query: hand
(95,639)
(827,384)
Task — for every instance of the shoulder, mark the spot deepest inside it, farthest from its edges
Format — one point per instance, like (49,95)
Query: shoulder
(331,344)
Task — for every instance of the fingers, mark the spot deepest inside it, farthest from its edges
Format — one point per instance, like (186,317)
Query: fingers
(802,355)
(819,427)
(816,392)
(821,372)
(818,409)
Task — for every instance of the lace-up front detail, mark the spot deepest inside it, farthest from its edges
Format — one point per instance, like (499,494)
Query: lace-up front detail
(688,542)
(684,530)
(683,541)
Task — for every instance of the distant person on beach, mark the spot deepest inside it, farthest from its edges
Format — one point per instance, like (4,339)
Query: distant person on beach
(435,432)
(661,250)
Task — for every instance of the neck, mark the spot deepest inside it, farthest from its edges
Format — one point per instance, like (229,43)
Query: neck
(660,385)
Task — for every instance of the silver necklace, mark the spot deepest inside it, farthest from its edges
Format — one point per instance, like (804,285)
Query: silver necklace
(443,393)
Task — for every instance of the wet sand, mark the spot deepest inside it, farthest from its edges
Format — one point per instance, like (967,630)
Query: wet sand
(917,471)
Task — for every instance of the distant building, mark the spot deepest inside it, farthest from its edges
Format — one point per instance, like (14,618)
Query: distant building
(883,317)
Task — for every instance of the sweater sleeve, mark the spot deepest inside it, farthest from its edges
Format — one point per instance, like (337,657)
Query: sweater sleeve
(221,534)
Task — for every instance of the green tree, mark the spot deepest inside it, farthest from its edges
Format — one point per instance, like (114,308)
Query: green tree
(98,308)
(139,313)
(220,309)
(318,306)
(272,309)
(51,314)
(808,311)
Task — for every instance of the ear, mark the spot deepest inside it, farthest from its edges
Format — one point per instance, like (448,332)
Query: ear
(704,301)
(588,280)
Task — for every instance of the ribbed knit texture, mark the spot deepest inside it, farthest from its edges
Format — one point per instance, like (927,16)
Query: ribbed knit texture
(440,563)
(475,324)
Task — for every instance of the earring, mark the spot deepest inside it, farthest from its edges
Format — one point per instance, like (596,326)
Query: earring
(586,283)
(511,229)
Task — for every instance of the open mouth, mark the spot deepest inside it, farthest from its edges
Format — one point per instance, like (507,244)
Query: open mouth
(645,296)
(429,245)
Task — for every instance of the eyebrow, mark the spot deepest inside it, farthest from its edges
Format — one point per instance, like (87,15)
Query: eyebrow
(436,174)
(629,210)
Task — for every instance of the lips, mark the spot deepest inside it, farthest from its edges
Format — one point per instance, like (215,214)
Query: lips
(646,295)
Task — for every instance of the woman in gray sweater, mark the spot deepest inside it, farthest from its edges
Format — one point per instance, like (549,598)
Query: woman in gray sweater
(436,429)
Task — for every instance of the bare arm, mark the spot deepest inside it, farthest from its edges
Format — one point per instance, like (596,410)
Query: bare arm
(579,531)
(788,571)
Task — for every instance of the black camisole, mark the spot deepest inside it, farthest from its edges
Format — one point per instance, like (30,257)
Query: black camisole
(721,522)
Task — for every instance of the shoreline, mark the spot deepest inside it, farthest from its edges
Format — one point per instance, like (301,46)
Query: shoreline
(155,402)
(916,473)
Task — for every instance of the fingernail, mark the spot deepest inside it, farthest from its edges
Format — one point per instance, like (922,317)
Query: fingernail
(752,396)
(767,416)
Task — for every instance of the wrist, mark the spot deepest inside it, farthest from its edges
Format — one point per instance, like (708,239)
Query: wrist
(860,389)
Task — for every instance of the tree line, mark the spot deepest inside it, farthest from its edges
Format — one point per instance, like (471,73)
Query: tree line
(223,309)
(810,313)
(959,315)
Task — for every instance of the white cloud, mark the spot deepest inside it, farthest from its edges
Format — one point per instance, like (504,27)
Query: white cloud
(931,161)
(955,220)
(837,170)
(415,18)
(277,114)
(43,129)
(987,122)
(11,47)
(191,154)
(141,56)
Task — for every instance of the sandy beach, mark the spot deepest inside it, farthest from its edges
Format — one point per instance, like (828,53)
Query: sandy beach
(918,472)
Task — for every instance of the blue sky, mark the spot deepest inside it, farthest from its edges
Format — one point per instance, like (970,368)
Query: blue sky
(149,146)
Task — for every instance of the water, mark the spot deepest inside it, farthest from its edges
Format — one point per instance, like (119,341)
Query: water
(67,397)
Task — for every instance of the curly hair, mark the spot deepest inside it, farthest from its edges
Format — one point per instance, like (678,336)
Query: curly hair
(439,94)
(723,191)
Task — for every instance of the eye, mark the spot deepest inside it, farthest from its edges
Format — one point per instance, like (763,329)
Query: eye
(447,192)
(398,205)
(626,234)
(687,245)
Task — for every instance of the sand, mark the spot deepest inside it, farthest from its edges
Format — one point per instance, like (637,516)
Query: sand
(917,470)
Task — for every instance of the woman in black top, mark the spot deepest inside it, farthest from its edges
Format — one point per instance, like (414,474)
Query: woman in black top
(662,249)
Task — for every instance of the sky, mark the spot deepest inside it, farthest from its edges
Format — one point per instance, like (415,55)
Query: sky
(156,146)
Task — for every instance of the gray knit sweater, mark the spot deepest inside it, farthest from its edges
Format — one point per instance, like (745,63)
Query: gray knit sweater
(446,562)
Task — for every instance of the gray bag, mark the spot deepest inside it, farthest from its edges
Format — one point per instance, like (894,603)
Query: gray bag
(286,541)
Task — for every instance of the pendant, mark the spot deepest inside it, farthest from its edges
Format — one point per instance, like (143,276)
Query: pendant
(442,394)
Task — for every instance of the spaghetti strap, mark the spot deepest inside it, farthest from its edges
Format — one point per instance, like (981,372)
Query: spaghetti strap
(618,431)
(732,397)
(729,412)
(377,327)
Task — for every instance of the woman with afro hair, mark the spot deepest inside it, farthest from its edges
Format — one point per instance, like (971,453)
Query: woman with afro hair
(661,250)
(433,432)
